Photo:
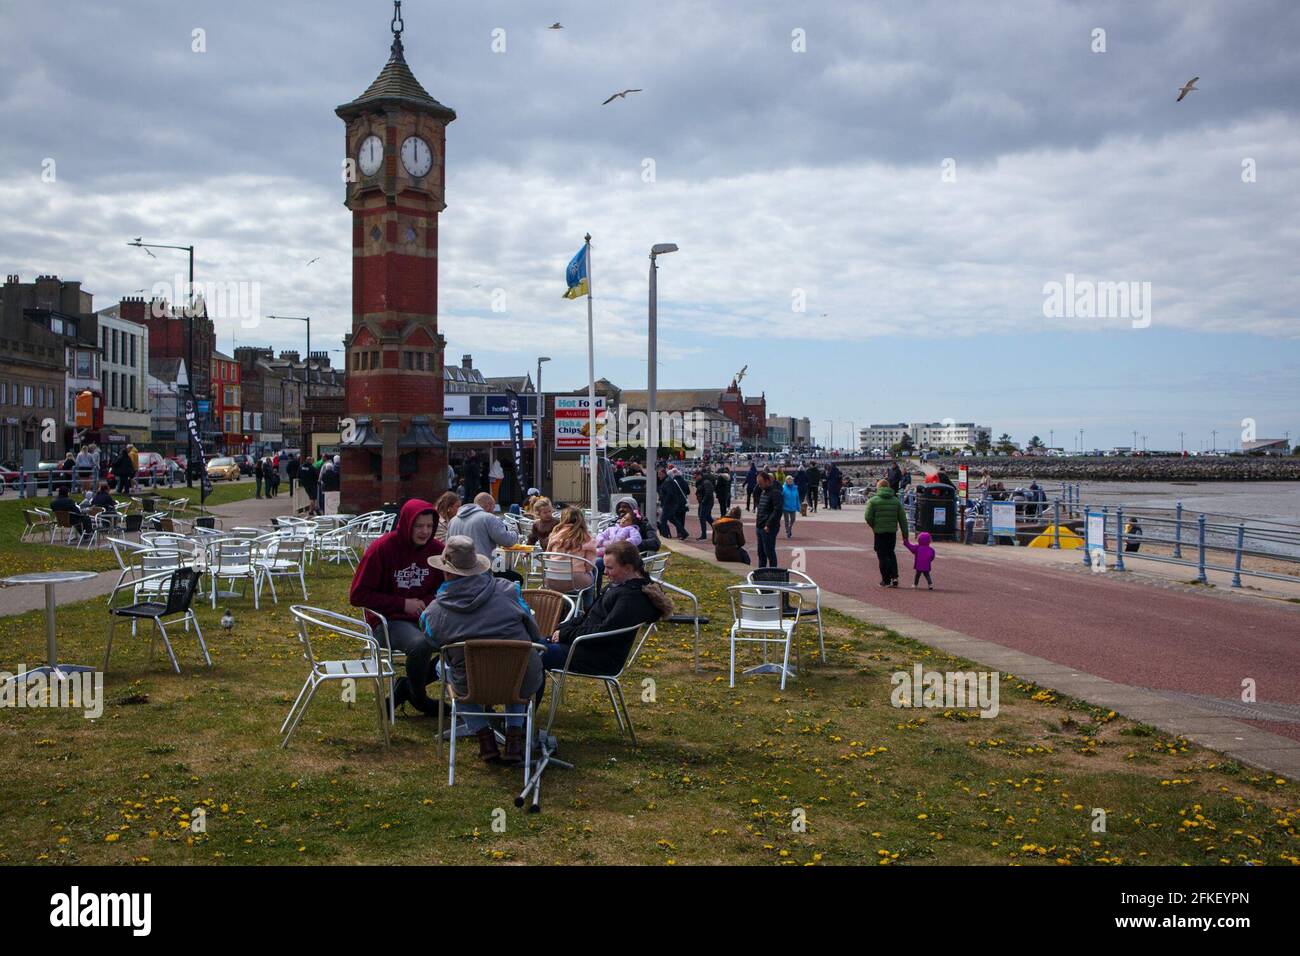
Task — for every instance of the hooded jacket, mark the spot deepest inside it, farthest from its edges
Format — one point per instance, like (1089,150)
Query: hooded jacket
(482,607)
(885,513)
(486,530)
(728,539)
(638,601)
(393,569)
(770,506)
(790,496)
(649,537)
(921,551)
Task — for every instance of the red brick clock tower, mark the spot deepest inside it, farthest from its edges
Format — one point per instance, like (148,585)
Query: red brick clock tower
(396,133)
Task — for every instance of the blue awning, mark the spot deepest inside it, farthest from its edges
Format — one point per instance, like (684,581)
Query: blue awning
(484,431)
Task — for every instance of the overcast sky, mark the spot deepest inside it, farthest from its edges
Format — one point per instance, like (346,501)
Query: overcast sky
(915,176)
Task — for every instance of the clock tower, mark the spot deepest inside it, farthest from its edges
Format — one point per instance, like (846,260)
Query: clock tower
(395,137)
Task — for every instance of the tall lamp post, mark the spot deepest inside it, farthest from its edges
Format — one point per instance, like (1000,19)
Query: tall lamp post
(306,394)
(652,368)
(853,430)
(537,437)
(189,348)
(831,439)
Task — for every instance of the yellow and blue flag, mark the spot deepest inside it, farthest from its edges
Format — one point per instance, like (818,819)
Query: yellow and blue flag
(575,276)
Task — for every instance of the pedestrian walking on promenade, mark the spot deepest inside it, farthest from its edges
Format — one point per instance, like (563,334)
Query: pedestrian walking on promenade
(672,505)
(704,493)
(834,480)
(751,486)
(291,472)
(330,483)
(722,489)
(801,482)
(923,558)
(814,486)
(770,505)
(789,503)
(886,516)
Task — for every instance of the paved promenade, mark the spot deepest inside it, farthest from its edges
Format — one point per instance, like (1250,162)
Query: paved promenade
(1146,645)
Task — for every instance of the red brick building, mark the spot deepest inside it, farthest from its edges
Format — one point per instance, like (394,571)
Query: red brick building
(396,134)
(749,413)
(227,405)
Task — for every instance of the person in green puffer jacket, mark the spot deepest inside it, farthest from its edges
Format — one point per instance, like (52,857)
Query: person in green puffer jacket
(887,516)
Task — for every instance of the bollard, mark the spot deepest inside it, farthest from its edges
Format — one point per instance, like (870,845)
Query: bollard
(1200,548)
(1178,529)
(1056,524)
(22,484)
(1119,539)
(1241,542)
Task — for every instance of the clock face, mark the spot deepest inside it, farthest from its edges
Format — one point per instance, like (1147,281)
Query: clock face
(416,156)
(371,155)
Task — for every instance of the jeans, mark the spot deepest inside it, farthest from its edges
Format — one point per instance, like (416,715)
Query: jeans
(706,517)
(916,578)
(788,517)
(884,545)
(407,637)
(257,485)
(749,498)
(514,717)
(766,547)
(812,498)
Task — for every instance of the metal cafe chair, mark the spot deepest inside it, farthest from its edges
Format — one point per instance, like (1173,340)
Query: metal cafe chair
(494,677)
(176,606)
(373,665)
(758,617)
(559,679)
(655,566)
(799,582)
(558,571)
(36,525)
(284,557)
(550,608)
(233,559)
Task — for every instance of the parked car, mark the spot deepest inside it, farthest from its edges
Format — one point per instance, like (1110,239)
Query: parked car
(223,469)
(245,463)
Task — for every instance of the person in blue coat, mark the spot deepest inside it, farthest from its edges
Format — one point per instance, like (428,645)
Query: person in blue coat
(789,504)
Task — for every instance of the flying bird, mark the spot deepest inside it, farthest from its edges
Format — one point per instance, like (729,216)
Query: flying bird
(556,26)
(137,238)
(317,259)
(616,96)
(1189,88)
(148,253)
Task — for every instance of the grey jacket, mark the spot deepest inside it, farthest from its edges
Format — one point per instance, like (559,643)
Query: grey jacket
(477,608)
(486,530)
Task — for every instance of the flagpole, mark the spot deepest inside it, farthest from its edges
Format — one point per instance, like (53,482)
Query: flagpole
(591,385)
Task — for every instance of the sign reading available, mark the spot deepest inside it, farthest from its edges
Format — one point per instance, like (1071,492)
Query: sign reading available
(573,423)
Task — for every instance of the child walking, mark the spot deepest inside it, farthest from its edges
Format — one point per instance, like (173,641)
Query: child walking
(924,558)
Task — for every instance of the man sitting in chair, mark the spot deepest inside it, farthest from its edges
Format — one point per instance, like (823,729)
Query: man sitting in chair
(474,605)
(630,598)
(394,579)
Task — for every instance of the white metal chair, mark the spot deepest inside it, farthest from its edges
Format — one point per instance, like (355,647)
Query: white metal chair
(655,566)
(557,571)
(337,545)
(233,559)
(800,582)
(283,557)
(373,665)
(494,677)
(37,523)
(758,617)
(172,597)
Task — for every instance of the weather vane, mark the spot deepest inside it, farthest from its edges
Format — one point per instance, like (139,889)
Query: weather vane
(397,23)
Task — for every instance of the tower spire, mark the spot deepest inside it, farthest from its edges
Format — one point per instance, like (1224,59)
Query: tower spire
(397,26)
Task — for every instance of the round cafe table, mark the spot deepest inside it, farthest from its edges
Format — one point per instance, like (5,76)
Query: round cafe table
(50,578)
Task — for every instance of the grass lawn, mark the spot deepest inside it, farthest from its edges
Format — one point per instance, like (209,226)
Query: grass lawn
(722,775)
(23,558)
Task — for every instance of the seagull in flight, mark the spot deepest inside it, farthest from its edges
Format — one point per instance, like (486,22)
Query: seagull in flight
(317,259)
(147,252)
(556,26)
(616,96)
(1190,87)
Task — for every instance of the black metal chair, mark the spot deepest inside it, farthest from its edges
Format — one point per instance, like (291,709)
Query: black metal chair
(181,584)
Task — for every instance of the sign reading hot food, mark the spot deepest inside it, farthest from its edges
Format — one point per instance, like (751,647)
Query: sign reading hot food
(573,424)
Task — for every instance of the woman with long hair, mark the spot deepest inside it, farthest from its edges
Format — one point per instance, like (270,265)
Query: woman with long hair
(570,536)
(447,505)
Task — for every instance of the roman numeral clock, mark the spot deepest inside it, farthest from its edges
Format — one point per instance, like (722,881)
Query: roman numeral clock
(396,135)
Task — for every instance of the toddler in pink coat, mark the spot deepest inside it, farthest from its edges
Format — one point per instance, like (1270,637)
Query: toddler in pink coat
(924,558)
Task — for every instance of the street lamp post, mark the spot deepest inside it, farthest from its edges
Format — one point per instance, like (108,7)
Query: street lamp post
(537,437)
(853,430)
(652,366)
(306,394)
(831,439)
(189,350)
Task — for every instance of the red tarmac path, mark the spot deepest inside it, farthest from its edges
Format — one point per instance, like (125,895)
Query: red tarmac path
(1139,633)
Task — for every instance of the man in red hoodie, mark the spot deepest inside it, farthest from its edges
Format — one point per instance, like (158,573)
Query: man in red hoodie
(394,579)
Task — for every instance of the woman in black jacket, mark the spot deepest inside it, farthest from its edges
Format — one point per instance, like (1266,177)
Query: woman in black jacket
(630,599)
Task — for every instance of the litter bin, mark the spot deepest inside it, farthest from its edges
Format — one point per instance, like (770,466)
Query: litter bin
(205,522)
(936,510)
